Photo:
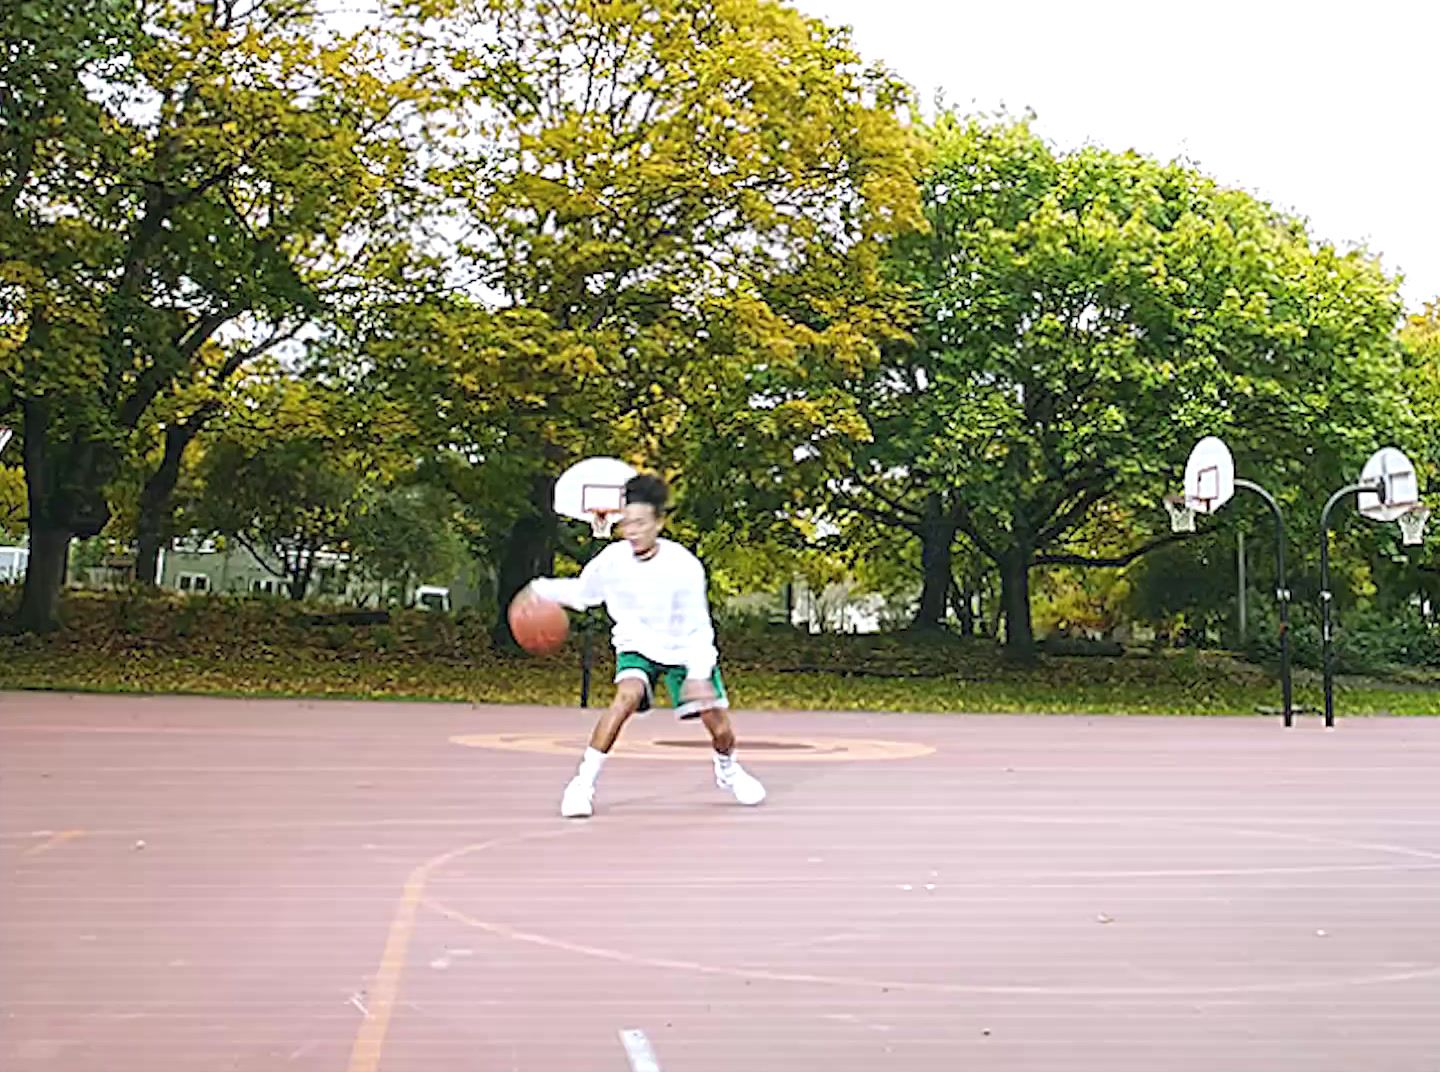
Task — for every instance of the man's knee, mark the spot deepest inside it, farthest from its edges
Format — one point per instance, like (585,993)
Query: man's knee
(629,696)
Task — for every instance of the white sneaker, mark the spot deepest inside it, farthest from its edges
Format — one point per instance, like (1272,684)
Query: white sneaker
(742,783)
(579,799)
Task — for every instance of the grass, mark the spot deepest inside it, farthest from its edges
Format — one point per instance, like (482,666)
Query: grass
(223,647)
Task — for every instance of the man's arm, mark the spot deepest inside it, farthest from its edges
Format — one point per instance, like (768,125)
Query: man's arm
(577,593)
(698,633)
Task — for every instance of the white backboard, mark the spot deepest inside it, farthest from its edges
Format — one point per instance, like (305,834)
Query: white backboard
(1402,487)
(595,484)
(1209,476)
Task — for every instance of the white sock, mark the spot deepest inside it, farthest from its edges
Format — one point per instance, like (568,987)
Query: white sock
(723,761)
(591,763)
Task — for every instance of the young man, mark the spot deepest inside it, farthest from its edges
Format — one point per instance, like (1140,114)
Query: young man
(655,592)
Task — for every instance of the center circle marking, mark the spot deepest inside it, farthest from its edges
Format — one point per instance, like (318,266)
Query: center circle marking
(768,749)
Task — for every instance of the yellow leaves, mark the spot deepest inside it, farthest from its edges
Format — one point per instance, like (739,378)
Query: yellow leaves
(14,508)
(574,359)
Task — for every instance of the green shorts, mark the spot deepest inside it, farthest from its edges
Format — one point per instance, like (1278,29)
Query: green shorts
(631,666)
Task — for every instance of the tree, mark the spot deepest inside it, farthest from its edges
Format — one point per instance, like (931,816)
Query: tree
(285,504)
(1420,337)
(404,534)
(49,122)
(1195,579)
(1080,319)
(645,167)
(290,470)
(188,183)
(1420,340)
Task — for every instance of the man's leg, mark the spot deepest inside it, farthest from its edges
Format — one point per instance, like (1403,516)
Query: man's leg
(722,733)
(579,798)
(713,709)
(629,698)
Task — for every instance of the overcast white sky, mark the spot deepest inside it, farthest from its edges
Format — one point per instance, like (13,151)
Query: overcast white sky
(1327,110)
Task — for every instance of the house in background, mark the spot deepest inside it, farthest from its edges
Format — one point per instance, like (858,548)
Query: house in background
(204,567)
(13,561)
(834,609)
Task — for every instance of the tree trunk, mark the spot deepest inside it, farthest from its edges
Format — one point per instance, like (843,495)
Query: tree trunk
(156,520)
(44,578)
(529,552)
(937,538)
(148,541)
(301,574)
(64,487)
(1015,597)
(960,600)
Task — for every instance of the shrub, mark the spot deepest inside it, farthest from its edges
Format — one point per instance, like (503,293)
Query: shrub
(1367,640)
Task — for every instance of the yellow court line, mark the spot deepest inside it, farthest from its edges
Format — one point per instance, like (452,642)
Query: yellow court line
(52,841)
(370,1039)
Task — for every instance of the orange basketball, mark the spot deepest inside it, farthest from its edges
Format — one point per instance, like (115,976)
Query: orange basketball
(538,625)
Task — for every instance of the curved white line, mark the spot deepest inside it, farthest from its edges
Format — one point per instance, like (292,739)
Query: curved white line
(599,953)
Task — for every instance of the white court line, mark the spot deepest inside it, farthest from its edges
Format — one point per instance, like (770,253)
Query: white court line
(638,1049)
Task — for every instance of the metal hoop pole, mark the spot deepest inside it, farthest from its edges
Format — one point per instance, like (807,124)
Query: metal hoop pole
(586,661)
(1327,660)
(587,639)
(1282,597)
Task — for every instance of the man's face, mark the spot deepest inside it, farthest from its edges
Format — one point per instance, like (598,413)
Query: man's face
(641,525)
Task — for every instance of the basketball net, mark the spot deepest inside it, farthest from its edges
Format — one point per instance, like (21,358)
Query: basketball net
(601,522)
(1412,524)
(1182,516)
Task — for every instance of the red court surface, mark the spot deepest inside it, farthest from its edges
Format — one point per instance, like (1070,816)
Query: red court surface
(225,886)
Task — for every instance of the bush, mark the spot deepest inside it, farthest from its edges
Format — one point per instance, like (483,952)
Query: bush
(1368,641)
(1081,647)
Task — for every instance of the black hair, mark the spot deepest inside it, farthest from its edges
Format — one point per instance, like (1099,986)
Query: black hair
(646,488)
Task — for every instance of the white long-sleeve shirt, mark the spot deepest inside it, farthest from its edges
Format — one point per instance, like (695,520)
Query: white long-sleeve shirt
(659,605)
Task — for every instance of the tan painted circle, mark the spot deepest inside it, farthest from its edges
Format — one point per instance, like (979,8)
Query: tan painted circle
(755,749)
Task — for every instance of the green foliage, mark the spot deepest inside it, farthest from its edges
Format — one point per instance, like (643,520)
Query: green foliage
(1195,579)
(690,235)
(1420,338)
(1081,320)
(405,534)
(289,474)
(238,646)
(659,197)
(187,184)
(13,507)
(1368,641)
(1076,602)
(285,503)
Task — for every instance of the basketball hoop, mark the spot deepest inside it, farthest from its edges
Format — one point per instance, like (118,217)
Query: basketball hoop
(593,490)
(1182,517)
(1412,524)
(1210,483)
